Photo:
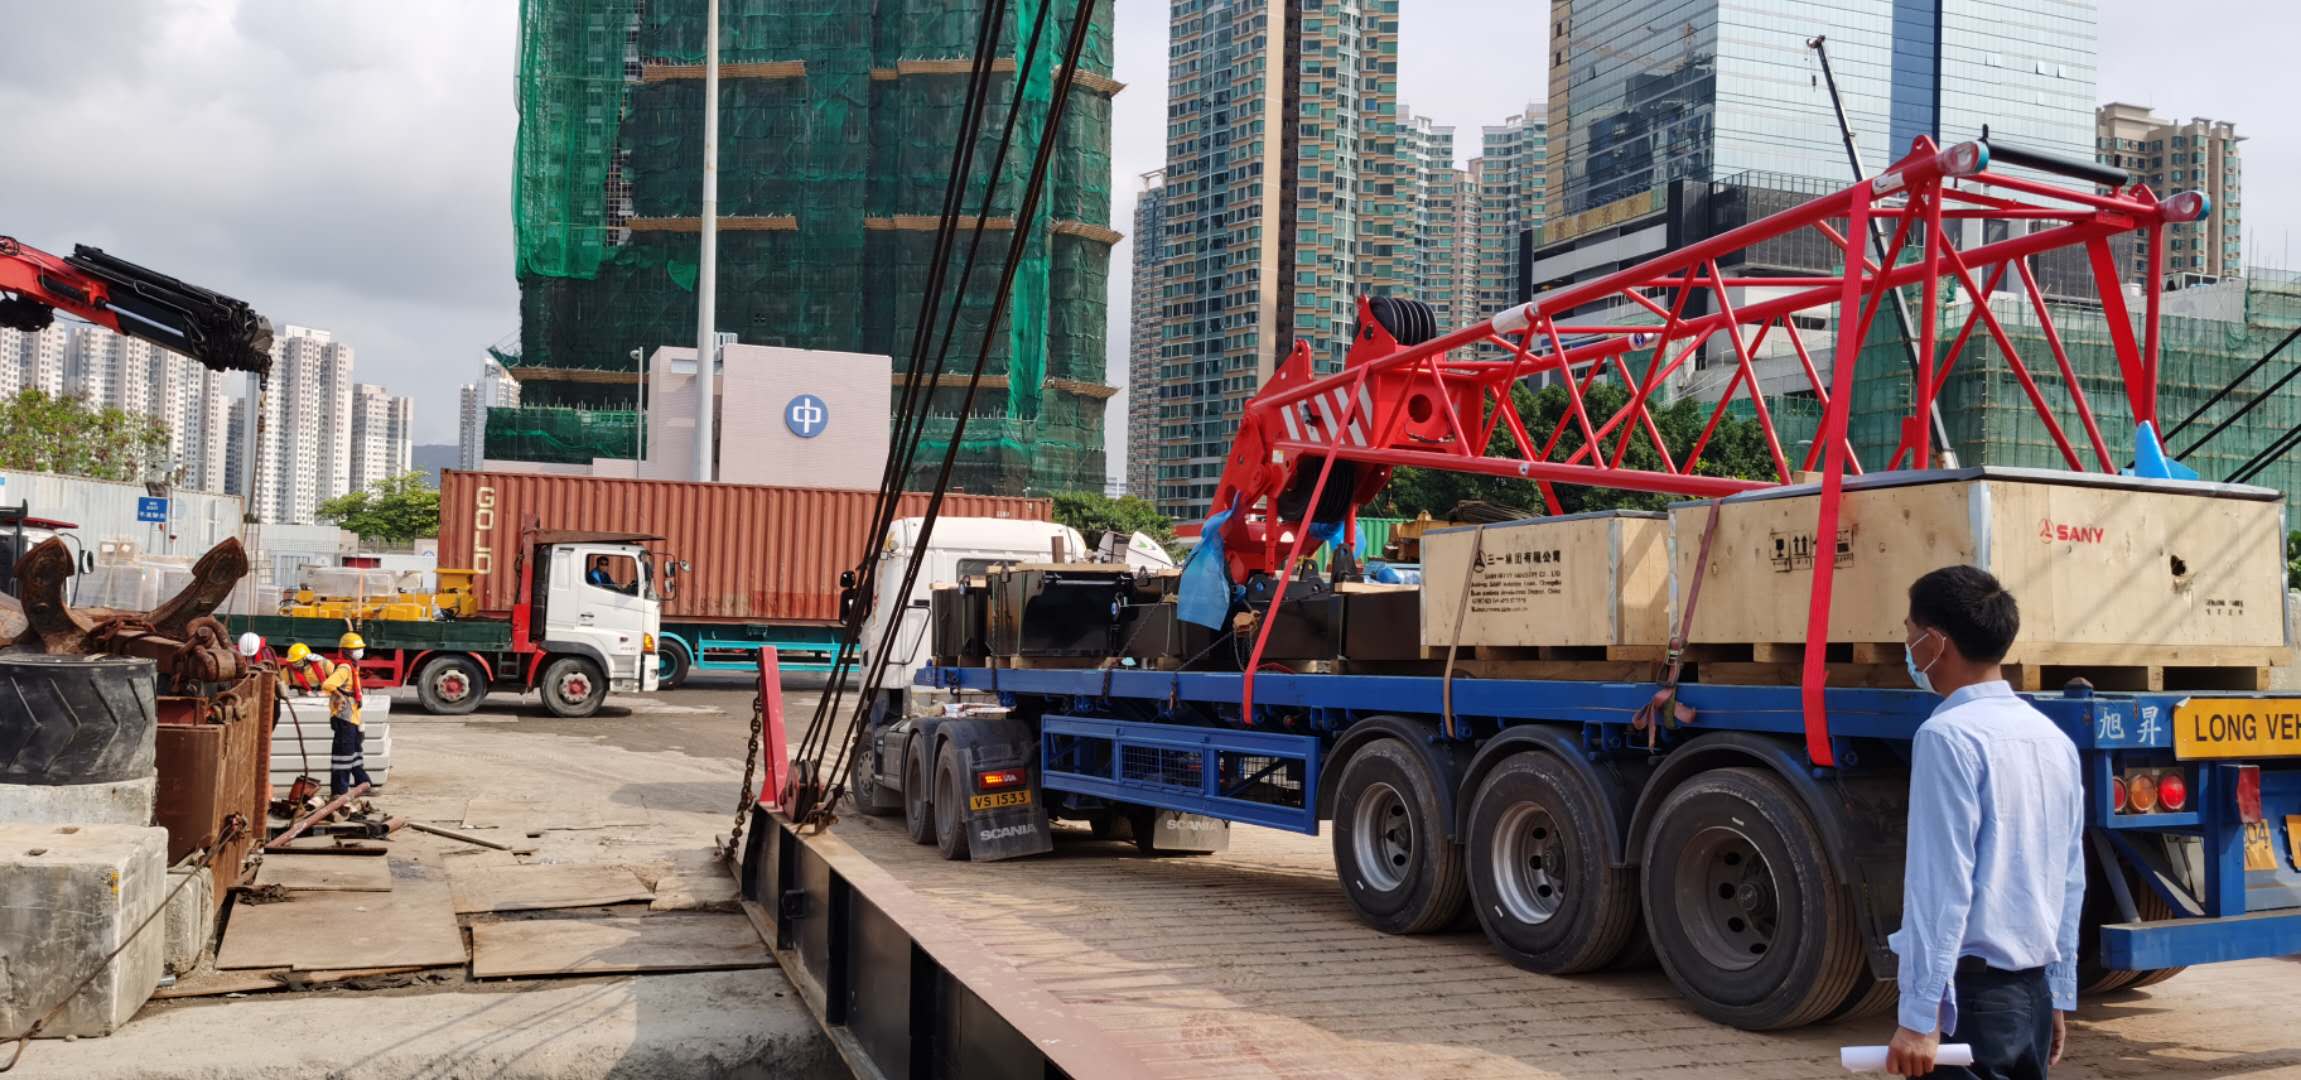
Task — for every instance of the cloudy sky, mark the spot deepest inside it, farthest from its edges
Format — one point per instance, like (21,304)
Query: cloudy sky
(347,164)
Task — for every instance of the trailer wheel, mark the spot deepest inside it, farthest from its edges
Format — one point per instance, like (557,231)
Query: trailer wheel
(672,665)
(1871,996)
(572,687)
(1746,916)
(918,808)
(2101,907)
(451,685)
(1398,869)
(950,805)
(1539,877)
(863,785)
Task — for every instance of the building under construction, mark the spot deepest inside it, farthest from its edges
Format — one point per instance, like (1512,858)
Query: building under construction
(837,122)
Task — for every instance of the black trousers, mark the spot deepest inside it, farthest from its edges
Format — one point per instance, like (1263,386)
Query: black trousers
(347,759)
(2007,1016)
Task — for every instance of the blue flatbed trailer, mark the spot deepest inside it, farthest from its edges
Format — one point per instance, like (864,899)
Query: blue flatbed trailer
(1771,918)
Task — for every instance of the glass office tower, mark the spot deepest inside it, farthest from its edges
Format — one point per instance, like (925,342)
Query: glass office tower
(1666,90)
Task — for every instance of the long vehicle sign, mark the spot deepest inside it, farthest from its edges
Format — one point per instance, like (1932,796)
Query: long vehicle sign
(2207,728)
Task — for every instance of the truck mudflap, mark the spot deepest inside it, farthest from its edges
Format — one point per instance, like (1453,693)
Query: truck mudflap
(1184,833)
(1003,820)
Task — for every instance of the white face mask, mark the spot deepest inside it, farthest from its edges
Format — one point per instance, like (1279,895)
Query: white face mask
(358,653)
(1909,659)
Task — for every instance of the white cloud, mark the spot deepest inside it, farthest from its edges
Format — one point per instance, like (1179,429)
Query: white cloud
(335,165)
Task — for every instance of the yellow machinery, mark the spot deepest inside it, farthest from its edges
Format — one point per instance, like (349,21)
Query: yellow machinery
(359,595)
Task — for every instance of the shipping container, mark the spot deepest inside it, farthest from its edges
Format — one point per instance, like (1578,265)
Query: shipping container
(762,563)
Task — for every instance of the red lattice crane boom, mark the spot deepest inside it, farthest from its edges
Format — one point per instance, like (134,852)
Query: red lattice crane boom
(1313,449)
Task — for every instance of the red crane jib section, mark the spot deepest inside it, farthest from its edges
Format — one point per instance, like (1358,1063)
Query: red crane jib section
(221,333)
(1312,449)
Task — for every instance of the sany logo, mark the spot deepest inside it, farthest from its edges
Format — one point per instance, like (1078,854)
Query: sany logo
(2051,532)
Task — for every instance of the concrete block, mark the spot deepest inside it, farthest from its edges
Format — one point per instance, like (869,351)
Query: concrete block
(69,895)
(121,802)
(191,917)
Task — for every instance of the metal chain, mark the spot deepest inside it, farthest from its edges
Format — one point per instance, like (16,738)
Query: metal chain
(744,799)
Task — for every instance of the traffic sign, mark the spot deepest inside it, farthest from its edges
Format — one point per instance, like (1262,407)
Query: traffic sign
(152,509)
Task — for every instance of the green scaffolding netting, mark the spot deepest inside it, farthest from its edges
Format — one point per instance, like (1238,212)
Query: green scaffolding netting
(570,97)
(833,158)
(561,435)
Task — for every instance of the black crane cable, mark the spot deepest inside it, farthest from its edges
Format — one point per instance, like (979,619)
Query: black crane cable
(2268,456)
(2241,411)
(817,738)
(954,196)
(857,606)
(868,694)
(1041,165)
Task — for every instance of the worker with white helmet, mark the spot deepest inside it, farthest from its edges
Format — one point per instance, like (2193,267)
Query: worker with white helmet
(309,673)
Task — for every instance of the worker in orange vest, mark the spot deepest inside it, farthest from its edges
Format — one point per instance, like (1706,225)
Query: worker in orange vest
(307,672)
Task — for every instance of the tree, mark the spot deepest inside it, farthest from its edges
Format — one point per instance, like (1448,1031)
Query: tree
(394,509)
(44,433)
(1737,448)
(1094,514)
(2293,560)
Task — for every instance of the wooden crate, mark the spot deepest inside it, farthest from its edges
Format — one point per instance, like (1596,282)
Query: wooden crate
(2106,570)
(1597,579)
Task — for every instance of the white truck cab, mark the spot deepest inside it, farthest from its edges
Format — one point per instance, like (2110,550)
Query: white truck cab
(600,599)
(959,548)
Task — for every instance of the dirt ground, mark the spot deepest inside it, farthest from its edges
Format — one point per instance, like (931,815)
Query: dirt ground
(1241,964)
(667,762)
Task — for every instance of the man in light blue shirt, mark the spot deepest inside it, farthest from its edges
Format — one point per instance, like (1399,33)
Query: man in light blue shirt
(1996,867)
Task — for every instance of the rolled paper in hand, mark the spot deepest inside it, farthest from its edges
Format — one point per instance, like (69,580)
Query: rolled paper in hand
(1873,1058)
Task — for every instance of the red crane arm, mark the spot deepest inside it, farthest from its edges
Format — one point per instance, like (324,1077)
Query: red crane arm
(1311,450)
(222,333)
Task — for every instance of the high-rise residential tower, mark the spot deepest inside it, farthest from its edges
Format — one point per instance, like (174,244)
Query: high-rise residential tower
(2181,155)
(304,456)
(1143,332)
(1281,207)
(1513,185)
(1430,241)
(496,389)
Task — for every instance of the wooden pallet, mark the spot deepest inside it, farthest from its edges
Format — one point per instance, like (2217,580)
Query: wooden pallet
(2025,677)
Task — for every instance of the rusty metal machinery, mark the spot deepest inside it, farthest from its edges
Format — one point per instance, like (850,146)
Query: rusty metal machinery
(181,636)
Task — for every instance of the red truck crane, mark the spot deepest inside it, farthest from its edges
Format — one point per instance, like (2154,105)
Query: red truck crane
(221,333)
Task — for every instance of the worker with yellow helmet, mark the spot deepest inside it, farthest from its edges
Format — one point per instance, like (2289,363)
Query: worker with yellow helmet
(310,673)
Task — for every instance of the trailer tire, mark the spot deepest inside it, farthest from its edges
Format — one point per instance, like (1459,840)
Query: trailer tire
(863,785)
(672,665)
(1539,878)
(1748,918)
(1871,996)
(950,805)
(918,808)
(572,687)
(450,685)
(1399,871)
(2101,907)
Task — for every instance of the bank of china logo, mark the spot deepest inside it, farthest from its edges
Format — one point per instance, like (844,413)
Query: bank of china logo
(806,416)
